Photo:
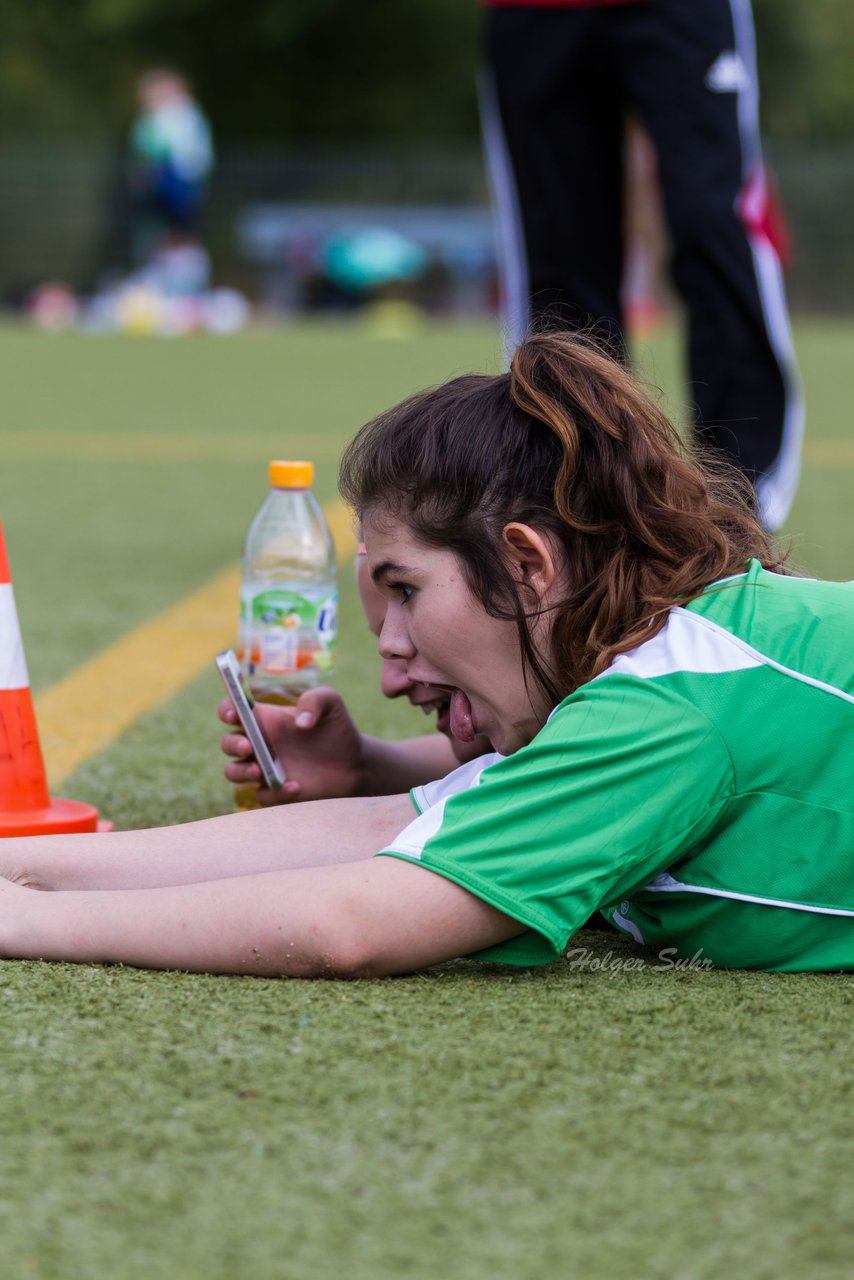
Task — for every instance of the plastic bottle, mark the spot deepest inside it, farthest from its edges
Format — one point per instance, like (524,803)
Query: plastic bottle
(288,596)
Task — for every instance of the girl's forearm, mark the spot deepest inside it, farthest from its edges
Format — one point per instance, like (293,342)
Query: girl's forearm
(256,924)
(316,833)
(374,917)
(389,767)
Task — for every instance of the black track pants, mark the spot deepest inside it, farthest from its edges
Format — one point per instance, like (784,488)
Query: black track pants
(558,85)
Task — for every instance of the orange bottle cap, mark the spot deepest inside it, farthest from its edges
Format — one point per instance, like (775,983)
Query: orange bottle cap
(291,475)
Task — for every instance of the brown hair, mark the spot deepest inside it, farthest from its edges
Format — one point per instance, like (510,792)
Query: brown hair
(569,442)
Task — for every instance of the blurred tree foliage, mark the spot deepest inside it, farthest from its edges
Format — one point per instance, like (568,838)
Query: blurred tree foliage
(283,70)
(304,70)
(805,50)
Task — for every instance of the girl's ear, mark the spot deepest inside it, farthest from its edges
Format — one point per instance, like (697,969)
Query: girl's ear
(531,557)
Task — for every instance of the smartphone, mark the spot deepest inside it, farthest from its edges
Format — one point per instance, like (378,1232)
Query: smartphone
(271,769)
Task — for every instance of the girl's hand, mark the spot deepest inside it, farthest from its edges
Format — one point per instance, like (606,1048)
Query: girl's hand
(316,741)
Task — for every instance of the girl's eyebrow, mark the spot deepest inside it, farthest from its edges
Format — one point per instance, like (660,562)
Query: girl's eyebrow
(386,567)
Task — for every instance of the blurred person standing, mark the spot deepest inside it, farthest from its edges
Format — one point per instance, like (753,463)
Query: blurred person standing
(171,161)
(641,297)
(561,77)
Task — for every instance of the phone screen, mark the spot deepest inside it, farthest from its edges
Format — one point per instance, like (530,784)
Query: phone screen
(271,768)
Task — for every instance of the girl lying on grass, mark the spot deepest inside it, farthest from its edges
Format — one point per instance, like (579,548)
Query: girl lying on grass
(673,717)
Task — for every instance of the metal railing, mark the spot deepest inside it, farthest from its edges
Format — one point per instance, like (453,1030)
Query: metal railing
(65,214)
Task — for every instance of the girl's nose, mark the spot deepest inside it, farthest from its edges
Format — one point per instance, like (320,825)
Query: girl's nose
(394,681)
(394,641)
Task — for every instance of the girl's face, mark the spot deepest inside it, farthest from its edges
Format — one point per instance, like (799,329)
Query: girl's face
(447,641)
(394,682)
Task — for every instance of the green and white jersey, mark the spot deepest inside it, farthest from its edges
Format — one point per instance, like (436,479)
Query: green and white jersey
(700,791)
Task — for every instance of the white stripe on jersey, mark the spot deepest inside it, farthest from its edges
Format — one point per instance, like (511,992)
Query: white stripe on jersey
(628,925)
(431,800)
(683,646)
(665,883)
(692,643)
(459,779)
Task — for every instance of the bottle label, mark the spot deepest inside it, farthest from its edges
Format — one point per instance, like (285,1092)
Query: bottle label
(282,632)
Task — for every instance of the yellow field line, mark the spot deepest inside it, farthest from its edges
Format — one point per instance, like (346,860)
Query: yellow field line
(82,714)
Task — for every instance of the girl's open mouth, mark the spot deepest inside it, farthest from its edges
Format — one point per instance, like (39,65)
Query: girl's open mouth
(453,710)
(443,716)
(461,717)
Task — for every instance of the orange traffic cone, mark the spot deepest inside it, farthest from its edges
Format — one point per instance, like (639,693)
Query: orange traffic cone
(26,809)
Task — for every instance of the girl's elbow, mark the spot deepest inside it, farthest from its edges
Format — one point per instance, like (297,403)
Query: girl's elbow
(340,949)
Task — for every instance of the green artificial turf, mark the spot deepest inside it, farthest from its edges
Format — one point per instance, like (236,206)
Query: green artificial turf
(605,1117)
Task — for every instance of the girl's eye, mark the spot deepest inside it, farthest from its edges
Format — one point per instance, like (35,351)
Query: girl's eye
(404,590)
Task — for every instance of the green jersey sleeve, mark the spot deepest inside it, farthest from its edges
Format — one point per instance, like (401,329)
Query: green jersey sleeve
(624,780)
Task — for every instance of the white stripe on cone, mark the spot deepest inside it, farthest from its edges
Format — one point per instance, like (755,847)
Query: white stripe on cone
(13,666)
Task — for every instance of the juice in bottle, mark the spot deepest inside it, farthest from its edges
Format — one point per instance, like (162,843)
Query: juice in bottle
(289,596)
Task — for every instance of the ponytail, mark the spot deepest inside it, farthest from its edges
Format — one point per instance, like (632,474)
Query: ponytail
(650,524)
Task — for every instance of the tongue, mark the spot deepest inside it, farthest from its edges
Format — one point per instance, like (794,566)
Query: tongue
(462,725)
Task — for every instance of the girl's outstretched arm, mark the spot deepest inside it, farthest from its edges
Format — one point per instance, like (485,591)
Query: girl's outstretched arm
(363,919)
(317,833)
